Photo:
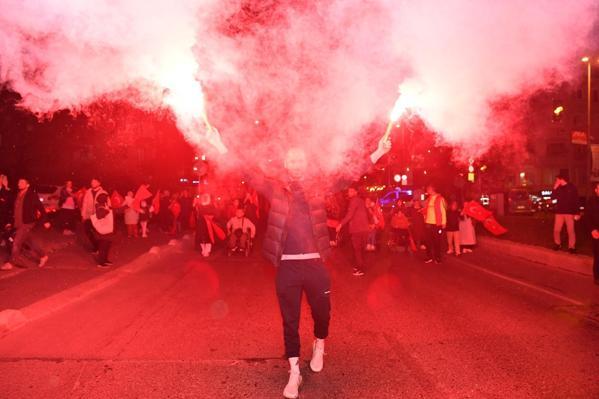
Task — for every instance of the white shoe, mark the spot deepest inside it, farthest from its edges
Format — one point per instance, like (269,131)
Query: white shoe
(291,390)
(449,252)
(7,266)
(317,362)
(43,261)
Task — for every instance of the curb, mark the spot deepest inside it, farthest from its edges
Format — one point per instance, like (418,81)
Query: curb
(581,264)
(12,319)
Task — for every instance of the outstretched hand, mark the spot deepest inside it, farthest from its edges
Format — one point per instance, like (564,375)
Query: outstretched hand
(383,147)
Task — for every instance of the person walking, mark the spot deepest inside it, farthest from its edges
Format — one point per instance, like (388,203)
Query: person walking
(567,211)
(27,207)
(204,214)
(131,215)
(102,221)
(6,209)
(435,219)
(358,222)
(417,225)
(453,229)
(592,220)
(145,213)
(297,242)
(68,209)
(88,208)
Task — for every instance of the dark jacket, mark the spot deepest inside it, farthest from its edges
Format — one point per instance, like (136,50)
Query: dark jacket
(32,207)
(591,213)
(567,199)
(6,206)
(357,216)
(278,194)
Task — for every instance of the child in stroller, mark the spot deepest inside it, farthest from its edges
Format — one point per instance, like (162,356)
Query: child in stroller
(241,233)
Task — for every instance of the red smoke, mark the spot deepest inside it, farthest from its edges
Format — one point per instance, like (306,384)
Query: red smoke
(276,73)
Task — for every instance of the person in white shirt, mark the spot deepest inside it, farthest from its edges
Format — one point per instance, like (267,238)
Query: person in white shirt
(237,229)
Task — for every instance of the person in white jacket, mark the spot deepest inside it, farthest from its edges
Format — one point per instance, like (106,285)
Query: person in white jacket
(88,208)
(237,229)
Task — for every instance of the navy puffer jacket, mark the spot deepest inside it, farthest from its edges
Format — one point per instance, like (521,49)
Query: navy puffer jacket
(279,195)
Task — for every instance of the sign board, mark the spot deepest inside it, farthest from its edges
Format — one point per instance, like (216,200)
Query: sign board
(579,137)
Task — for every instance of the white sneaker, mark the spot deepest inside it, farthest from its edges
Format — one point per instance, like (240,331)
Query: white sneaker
(43,261)
(7,266)
(317,362)
(291,390)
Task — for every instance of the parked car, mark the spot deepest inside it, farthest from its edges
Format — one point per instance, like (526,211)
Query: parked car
(49,196)
(390,198)
(519,201)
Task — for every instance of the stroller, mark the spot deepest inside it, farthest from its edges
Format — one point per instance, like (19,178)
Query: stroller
(240,242)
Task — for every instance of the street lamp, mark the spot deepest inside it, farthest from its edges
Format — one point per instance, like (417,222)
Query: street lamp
(587,60)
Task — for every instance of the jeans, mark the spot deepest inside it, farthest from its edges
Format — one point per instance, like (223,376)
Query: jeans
(294,277)
(434,235)
(358,242)
(90,232)
(104,245)
(23,237)
(453,241)
(560,219)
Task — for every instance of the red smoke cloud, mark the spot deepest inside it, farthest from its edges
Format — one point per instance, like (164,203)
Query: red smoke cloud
(315,74)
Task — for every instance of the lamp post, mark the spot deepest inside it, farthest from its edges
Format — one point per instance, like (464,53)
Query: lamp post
(587,60)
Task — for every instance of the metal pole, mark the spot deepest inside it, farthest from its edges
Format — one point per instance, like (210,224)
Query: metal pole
(589,120)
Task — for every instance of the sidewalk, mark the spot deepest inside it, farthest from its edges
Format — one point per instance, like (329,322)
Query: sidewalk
(70,264)
(577,263)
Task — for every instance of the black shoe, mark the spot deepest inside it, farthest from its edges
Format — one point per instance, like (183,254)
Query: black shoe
(557,247)
(572,250)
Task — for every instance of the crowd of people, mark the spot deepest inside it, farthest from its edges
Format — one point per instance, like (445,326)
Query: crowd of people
(411,225)
(95,213)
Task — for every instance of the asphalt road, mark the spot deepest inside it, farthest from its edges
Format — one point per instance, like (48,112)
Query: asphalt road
(477,327)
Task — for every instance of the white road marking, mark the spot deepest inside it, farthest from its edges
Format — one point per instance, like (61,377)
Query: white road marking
(525,284)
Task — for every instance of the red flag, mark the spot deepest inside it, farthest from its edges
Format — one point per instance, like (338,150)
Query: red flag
(141,194)
(494,227)
(476,211)
(116,199)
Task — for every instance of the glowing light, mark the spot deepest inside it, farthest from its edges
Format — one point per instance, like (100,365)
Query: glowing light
(196,158)
(558,110)
(470,168)
(397,178)
(483,168)
(203,157)
(256,122)
(522,175)
(584,59)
